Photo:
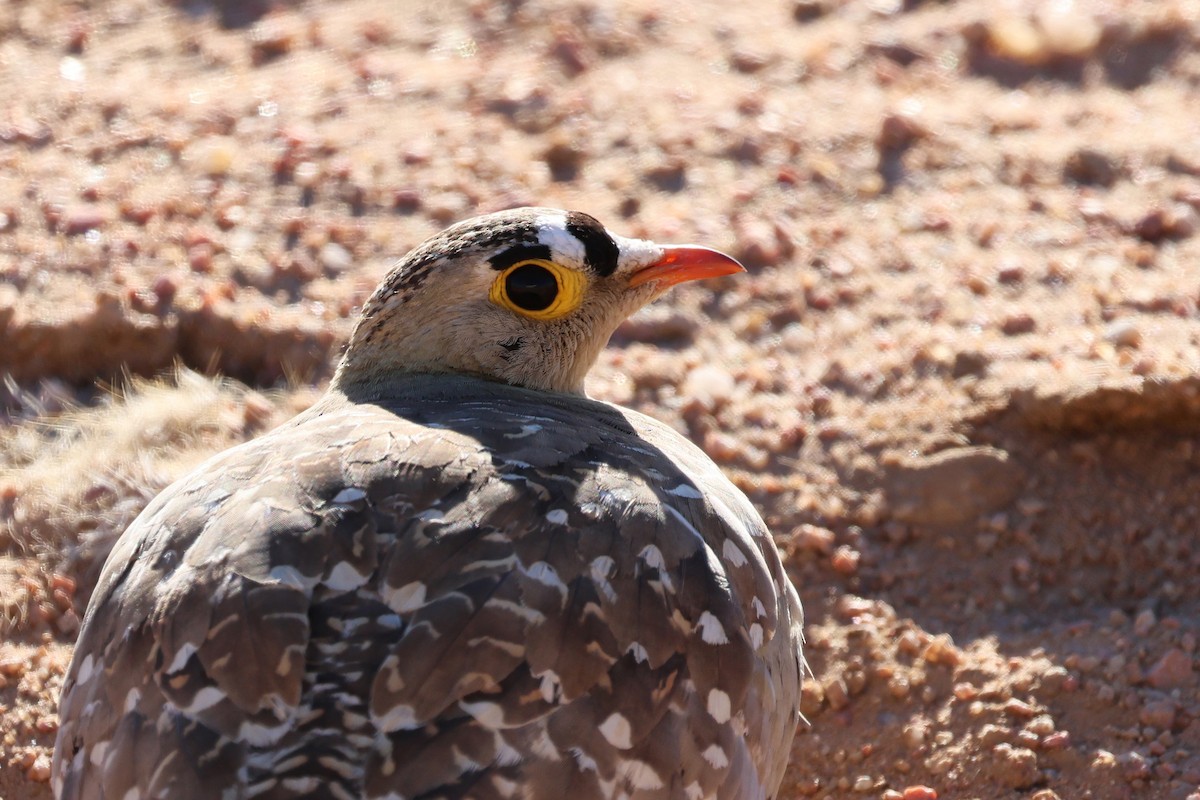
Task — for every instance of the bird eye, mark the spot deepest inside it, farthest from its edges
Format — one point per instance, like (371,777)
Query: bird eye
(531,287)
(539,289)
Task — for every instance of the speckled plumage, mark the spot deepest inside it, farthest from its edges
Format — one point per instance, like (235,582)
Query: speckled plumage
(440,586)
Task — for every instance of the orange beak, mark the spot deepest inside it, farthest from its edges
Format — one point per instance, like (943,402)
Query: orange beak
(686,262)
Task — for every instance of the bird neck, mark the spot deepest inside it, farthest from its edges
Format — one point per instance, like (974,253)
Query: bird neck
(362,378)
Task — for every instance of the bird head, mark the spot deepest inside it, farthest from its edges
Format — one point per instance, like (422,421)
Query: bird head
(527,296)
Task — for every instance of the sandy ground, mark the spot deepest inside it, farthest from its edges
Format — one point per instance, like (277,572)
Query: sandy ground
(962,381)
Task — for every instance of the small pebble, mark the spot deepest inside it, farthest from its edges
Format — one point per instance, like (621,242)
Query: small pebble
(564,158)
(306,174)
(760,244)
(1091,168)
(915,734)
(1056,741)
(1055,680)
(570,50)
(1016,767)
(406,201)
(659,323)
(965,691)
(1019,709)
(808,10)
(942,650)
(215,155)
(445,207)
(1017,324)
(270,39)
(165,288)
(1134,766)
(72,69)
(335,258)
(1010,273)
(748,61)
(669,175)
(1123,333)
(710,385)
(1144,622)
(1173,670)
(845,560)
(81,219)
(837,694)
(919,792)
(12,666)
(1041,725)
(1046,794)
(1068,30)
(812,698)
(734,449)
(1166,223)
(970,363)
(39,770)
(68,622)
(1017,38)
(850,607)
(200,257)
(909,643)
(898,131)
(1158,714)
(991,735)
(814,539)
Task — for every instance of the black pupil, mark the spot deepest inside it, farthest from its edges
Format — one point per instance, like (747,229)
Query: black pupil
(531,287)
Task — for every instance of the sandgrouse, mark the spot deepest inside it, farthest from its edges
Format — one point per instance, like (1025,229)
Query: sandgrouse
(455,576)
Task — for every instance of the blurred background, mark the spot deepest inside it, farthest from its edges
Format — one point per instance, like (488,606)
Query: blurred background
(961,381)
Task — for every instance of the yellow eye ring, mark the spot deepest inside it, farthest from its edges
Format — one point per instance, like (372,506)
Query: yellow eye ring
(538,289)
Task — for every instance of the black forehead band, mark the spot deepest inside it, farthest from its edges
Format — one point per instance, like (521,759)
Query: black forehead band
(600,251)
(521,252)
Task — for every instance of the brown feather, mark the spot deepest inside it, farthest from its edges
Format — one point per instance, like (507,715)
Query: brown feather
(433,593)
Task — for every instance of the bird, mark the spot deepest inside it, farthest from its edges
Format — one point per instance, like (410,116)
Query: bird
(455,575)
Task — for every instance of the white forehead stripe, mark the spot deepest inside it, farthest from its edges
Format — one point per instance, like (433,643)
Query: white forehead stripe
(553,233)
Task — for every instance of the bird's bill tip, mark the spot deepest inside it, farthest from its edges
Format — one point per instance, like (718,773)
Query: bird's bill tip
(686,262)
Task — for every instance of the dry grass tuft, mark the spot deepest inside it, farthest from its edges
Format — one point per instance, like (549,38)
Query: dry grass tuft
(72,482)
